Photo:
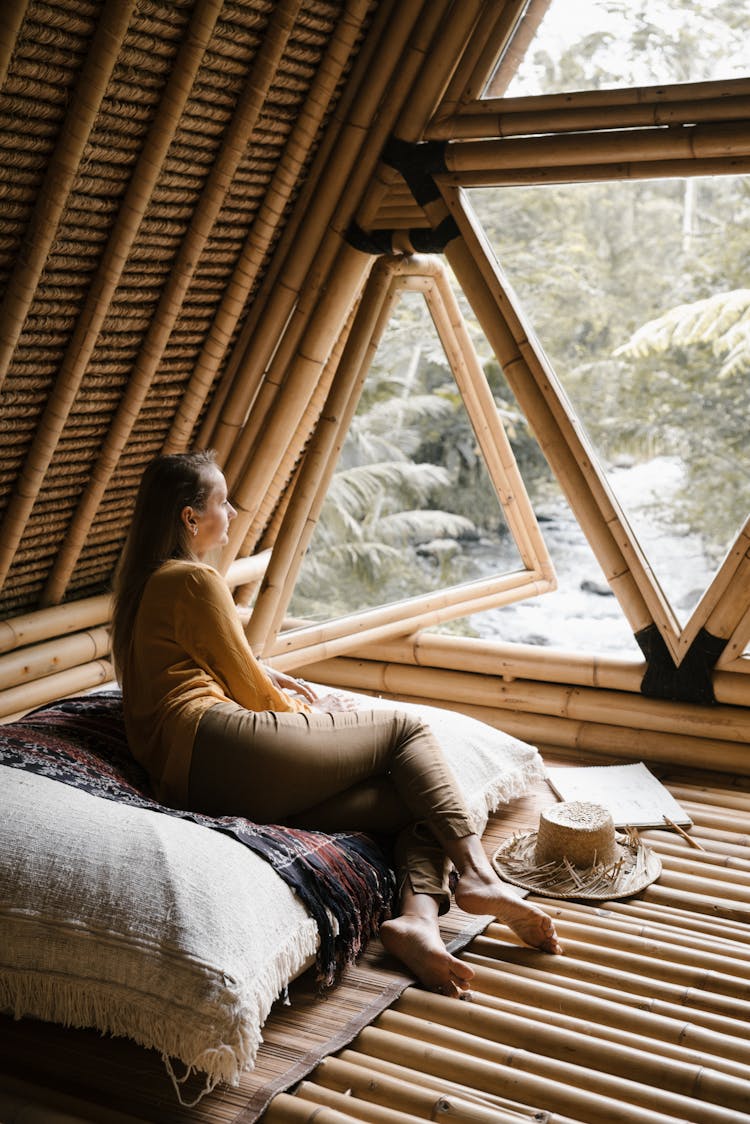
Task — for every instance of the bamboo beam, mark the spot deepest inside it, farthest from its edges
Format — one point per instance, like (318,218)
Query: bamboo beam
(90,612)
(700,1024)
(273,307)
(234,144)
(637,741)
(488,43)
(11,17)
(632,146)
(516,49)
(730,724)
(107,277)
(489,431)
(319,642)
(430,1101)
(61,172)
(289,461)
(576,119)
(599,173)
(324,273)
(280,264)
(266,223)
(320,461)
(16,701)
(18,668)
(723,89)
(292,401)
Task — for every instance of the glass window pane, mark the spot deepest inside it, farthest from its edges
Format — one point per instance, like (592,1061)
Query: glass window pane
(411,507)
(602,44)
(636,292)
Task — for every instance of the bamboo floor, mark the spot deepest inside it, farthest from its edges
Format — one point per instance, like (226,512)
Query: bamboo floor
(643,1020)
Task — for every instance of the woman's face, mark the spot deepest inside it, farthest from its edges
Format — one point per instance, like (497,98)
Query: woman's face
(209,528)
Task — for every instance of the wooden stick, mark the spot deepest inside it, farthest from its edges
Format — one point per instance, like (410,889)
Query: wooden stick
(680,831)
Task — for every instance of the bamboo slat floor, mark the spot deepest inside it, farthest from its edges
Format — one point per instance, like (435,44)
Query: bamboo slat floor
(642,1021)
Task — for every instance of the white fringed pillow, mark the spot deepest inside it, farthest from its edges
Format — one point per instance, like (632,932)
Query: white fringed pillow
(141,924)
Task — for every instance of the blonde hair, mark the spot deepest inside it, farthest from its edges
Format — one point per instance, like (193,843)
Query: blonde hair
(157,533)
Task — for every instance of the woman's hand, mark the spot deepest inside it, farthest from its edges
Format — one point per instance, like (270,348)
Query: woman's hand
(288,683)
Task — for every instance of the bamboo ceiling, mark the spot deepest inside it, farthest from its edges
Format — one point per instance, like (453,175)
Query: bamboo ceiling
(152,152)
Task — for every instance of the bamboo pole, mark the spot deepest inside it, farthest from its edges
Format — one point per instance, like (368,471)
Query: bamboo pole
(726,934)
(630,146)
(598,173)
(568,1045)
(490,433)
(290,404)
(578,703)
(289,462)
(700,1026)
(511,661)
(366,1111)
(88,613)
(482,1098)
(569,737)
(624,973)
(325,270)
(586,1104)
(11,17)
(692,968)
(16,701)
(266,222)
(519,43)
(61,172)
(273,311)
(429,1101)
(646,922)
(322,641)
(233,147)
(495,28)
(320,461)
(608,1016)
(723,89)
(286,1109)
(342,123)
(18,668)
(31,628)
(104,284)
(574,118)
(619,937)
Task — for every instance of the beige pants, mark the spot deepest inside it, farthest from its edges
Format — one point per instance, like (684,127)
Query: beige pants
(378,771)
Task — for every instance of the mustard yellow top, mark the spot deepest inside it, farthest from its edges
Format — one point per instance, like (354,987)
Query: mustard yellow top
(188,653)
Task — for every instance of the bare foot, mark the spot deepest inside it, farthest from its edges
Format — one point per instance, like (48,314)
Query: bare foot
(482,893)
(417,943)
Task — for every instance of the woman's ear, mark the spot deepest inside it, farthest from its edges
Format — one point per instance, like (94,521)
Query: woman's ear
(190,522)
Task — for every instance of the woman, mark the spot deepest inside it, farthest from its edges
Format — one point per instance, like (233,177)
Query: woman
(222,734)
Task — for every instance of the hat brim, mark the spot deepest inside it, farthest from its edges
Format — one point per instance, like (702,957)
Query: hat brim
(635,867)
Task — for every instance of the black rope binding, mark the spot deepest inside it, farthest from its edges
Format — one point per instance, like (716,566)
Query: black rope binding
(691,681)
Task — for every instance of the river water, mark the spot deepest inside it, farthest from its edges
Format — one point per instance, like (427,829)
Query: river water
(583,614)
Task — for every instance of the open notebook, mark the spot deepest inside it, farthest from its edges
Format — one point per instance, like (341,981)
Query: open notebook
(633,795)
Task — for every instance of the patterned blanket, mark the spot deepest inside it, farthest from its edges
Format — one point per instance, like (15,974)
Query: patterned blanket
(343,879)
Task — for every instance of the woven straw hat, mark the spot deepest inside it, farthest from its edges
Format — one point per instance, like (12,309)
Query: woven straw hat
(576,853)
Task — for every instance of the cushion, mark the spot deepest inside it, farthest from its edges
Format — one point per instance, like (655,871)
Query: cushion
(151,926)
